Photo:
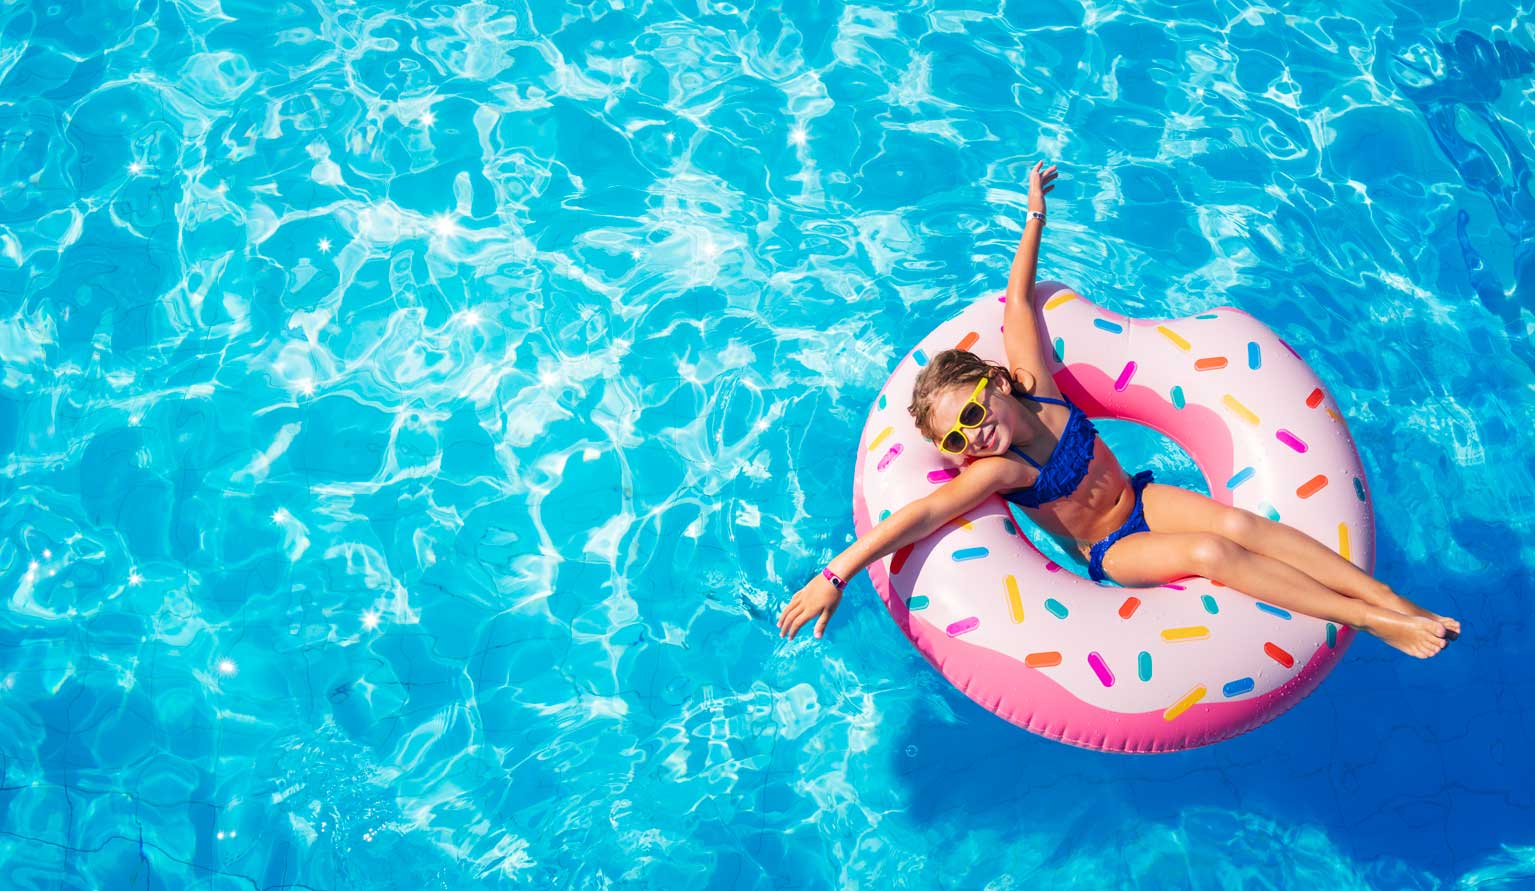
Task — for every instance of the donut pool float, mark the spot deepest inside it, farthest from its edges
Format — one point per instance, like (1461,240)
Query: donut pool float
(1124,669)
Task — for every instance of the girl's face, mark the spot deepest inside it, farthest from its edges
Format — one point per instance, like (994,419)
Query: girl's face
(995,434)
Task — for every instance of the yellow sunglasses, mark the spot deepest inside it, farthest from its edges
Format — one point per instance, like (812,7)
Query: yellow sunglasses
(971,414)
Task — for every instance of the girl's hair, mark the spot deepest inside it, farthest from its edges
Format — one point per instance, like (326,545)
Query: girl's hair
(950,368)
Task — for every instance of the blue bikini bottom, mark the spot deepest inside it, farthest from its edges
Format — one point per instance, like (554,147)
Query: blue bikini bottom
(1136,523)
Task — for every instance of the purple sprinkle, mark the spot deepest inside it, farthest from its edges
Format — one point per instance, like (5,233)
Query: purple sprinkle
(1101,669)
(963,625)
(1290,439)
(891,455)
(1173,586)
(1124,377)
(1290,348)
(942,475)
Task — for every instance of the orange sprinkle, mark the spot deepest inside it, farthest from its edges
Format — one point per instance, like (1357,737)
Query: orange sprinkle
(963,523)
(1215,583)
(1209,363)
(1042,660)
(1312,486)
(968,341)
(1277,653)
(1128,608)
(1335,416)
(900,559)
(1315,398)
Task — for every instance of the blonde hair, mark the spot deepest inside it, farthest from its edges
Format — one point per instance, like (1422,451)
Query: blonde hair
(950,368)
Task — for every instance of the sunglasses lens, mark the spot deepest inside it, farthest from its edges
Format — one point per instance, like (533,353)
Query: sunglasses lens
(954,442)
(971,415)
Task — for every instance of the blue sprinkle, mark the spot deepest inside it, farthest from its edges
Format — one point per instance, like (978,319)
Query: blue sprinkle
(1008,525)
(882,401)
(920,358)
(964,554)
(1060,350)
(1268,510)
(1254,357)
(1332,634)
(1056,608)
(1178,397)
(1240,477)
(1211,606)
(884,515)
(1238,687)
(1273,610)
(1106,325)
(1359,488)
(1143,665)
(916,603)
(1209,315)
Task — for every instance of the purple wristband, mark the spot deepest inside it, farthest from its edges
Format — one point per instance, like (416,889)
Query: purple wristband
(830,576)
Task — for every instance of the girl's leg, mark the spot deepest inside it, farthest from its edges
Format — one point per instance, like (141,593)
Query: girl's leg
(1151,558)
(1171,509)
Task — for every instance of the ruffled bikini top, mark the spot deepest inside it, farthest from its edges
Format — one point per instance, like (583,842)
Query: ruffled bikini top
(1062,472)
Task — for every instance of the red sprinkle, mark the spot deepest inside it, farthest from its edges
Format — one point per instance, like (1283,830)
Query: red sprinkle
(1128,608)
(1279,655)
(1312,486)
(900,559)
(1315,398)
(968,341)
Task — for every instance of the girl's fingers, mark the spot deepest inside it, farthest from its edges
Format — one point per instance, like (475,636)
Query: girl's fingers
(820,627)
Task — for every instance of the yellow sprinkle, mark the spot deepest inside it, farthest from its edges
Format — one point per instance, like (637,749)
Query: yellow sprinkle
(1192,632)
(1242,411)
(1172,335)
(1183,704)
(963,523)
(1343,540)
(881,437)
(1058,299)
(1014,600)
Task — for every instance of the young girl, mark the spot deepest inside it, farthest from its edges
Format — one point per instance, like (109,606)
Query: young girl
(1037,450)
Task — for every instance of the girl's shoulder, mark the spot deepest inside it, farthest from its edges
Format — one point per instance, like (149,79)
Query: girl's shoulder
(1036,385)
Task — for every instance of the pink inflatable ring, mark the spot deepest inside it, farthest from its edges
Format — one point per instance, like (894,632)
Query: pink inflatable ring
(1125,670)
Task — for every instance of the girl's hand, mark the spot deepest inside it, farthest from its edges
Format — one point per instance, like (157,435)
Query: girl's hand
(819,598)
(1041,181)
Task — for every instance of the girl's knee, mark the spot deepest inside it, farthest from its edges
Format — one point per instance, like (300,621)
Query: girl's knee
(1209,553)
(1238,525)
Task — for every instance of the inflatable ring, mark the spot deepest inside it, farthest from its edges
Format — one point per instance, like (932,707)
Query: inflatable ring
(1127,670)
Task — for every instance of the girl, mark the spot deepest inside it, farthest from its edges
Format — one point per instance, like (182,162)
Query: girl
(1039,451)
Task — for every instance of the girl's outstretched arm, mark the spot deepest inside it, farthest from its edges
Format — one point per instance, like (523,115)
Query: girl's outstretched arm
(912,523)
(1025,354)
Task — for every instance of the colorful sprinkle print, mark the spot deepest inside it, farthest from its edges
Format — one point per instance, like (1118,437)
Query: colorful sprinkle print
(1359,488)
(1056,608)
(942,475)
(1315,398)
(891,455)
(1254,356)
(1014,600)
(1124,377)
(1106,325)
(1291,440)
(1057,300)
(963,554)
(1128,608)
(1172,335)
(1192,632)
(1277,653)
(1210,605)
(1272,610)
(881,438)
(918,602)
(1311,486)
(1060,349)
(920,358)
(1237,687)
(1100,668)
(1143,666)
(1210,363)
(1268,511)
(968,341)
(1240,477)
(882,402)
(898,562)
(1343,541)
(1042,660)
(1241,410)
(1184,704)
(1177,395)
(962,626)
(1332,635)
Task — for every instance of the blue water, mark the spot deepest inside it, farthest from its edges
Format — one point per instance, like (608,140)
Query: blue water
(413,418)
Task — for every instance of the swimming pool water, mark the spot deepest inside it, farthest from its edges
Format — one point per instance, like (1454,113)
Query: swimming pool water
(414,416)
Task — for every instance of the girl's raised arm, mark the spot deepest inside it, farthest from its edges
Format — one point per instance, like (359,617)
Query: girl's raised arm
(912,523)
(1020,332)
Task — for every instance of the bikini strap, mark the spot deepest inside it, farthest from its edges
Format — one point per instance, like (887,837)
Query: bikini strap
(1025,456)
(1044,399)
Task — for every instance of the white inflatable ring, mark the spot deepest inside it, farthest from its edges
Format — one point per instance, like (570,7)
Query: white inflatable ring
(1129,670)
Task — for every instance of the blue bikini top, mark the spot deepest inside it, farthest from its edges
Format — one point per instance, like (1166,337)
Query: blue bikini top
(1062,472)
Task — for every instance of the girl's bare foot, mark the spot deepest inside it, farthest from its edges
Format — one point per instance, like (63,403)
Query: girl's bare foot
(1414,635)
(1408,608)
